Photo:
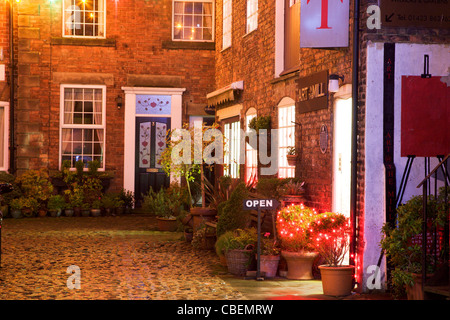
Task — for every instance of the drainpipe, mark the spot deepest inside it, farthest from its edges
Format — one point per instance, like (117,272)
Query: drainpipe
(354,158)
(12,147)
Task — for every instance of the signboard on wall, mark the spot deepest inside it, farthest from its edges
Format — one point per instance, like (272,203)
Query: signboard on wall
(313,92)
(415,13)
(324,23)
(425,122)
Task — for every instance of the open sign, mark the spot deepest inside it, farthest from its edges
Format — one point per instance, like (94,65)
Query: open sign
(250,204)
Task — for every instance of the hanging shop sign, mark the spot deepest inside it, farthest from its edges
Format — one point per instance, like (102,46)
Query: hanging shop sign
(313,92)
(415,13)
(324,23)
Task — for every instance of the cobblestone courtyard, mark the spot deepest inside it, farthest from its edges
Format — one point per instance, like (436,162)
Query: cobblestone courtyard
(119,258)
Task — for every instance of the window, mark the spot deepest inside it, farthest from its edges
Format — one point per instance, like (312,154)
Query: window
(291,34)
(84,18)
(286,137)
(82,124)
(4,134)
(251,153)
(226,24)
(232,148)
(252,15)
(193,20)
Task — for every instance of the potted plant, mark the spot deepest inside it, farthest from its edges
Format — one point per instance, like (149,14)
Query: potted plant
(85,209)
(188,234)
(221,245)
(96,207)
(291,192)
(55,205)
(108,204)
(270,256)
(29,206)
(403,246)
(296,241)
(204,238)
(128,200)
(332,241)
(240,249)
(291,156)
(158,203)
(16,208)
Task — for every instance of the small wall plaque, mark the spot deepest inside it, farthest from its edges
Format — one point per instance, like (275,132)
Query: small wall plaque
(323,138)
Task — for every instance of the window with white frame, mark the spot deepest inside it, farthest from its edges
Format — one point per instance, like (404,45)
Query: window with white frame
(82,124)
(84,18)
(226,24)
(4,134)
(251,153)
(286,138)
(193,20)
(232,147)
(252,15)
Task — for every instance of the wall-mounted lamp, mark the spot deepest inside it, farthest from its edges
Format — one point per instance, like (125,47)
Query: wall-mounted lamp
(119,102)
(333,82)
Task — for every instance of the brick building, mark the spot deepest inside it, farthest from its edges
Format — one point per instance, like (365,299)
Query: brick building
(261,70)
(86,71)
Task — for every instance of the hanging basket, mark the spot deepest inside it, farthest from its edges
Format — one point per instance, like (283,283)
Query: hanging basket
(238,261)
(291,160)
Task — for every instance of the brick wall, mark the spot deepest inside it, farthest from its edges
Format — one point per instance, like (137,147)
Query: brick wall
(137,51)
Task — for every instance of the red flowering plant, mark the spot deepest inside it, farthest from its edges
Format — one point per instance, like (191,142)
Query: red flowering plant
(269,246)
(294,228)
(331,234)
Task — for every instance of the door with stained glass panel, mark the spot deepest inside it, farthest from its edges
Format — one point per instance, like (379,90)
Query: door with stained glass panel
(151,133)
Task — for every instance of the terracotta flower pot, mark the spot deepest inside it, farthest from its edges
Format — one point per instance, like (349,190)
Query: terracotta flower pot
(269,265)
(165,224)
(299,264)
(337,281)
(291,159)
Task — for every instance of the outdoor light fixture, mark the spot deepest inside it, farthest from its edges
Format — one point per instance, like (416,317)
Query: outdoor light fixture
(119,102)
(333,82)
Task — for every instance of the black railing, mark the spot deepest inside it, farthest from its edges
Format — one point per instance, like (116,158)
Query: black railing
(443,287)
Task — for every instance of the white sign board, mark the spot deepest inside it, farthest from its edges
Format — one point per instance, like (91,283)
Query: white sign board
(324,23)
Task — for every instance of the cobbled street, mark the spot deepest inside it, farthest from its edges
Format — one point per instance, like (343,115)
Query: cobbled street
(122,257)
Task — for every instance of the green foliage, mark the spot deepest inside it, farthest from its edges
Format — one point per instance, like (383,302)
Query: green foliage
(16,204)
(239,239)
(291,187)
(36,183)
(56,202)
(16,192)
(291,151)
(127,197)
(230,212)
(93,167)
(108,201)
(257,123)
(405,256)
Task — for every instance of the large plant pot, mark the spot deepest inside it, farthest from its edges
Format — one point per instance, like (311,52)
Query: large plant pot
(291,159)
(16,213)
(202,215)
(337,281)
(269,265)
(299,264)
(68,212)
(415,292)
(167,224)
(96,212)
(238,261)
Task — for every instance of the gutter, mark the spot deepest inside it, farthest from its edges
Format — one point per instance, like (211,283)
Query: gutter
(12,147)
(354,156)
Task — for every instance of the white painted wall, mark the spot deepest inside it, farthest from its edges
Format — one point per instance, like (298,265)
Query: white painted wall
(408,61)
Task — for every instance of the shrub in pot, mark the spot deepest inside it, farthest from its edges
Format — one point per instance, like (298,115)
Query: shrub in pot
(158,203)
(203,238)
(296,240)
(332,240)
(96,208)
(240,250)
(270,256)
(55,205)
(16,208)
(404,254)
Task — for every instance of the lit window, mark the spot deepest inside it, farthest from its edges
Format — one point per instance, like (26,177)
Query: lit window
(251,153)
(84,18)
(4,117)
(252,15)
(286,139)
(232,148)
(226,24)
(193,20)
(82,132)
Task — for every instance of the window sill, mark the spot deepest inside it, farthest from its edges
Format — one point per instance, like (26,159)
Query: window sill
(225,49)
(188,45)
(89,42)
(249,33)
(284,76)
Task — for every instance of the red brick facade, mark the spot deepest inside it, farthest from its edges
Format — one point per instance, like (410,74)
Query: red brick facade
(138,51)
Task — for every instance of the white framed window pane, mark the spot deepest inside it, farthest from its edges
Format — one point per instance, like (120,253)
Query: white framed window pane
(82,132)
(286,139)
(251,155)
(192,20)
(226,24)
(84,18)
(252,15)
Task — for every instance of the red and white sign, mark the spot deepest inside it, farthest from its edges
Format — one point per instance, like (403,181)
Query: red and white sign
(324,23)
